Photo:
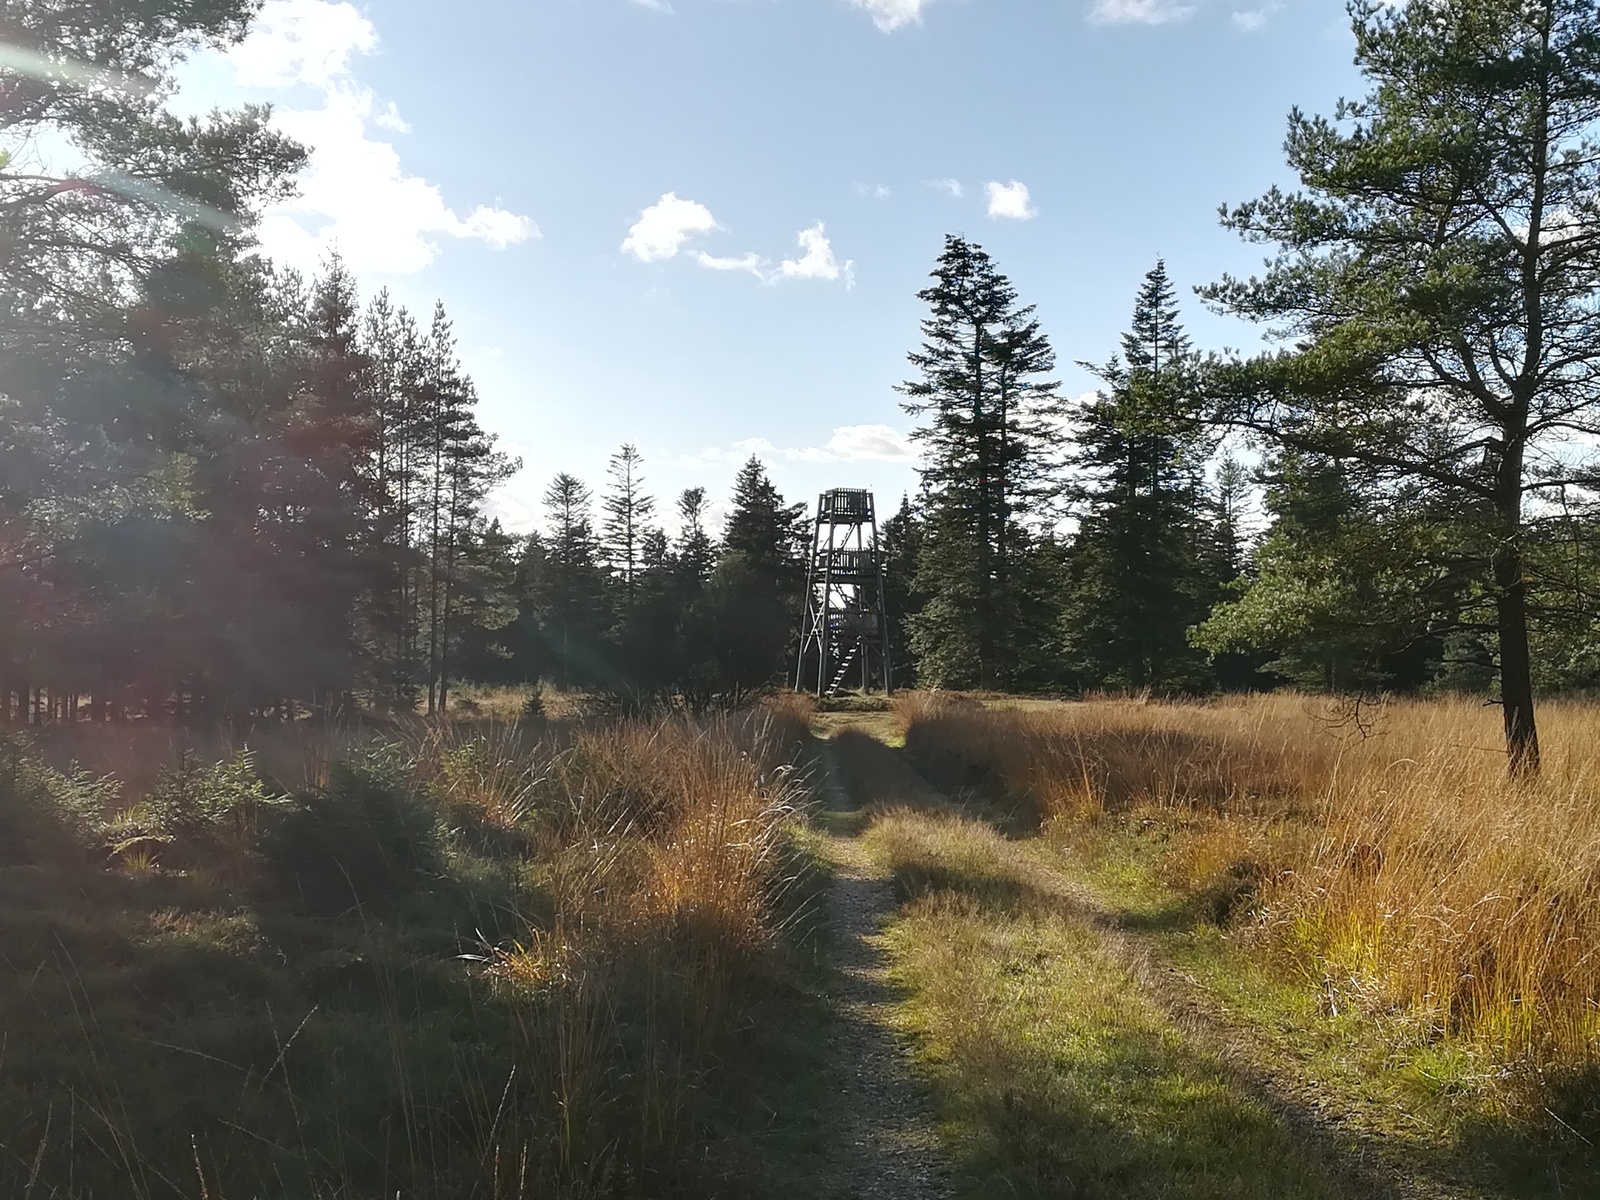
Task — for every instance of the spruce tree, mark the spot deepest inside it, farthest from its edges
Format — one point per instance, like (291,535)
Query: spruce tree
(1342,596)
(991,443)
(757,585)
(568,594)
(1136,572)
(626,522)
(900,539)
(694,549)
(768,533)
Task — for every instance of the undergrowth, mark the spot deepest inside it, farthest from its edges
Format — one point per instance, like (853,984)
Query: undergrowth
(496,959)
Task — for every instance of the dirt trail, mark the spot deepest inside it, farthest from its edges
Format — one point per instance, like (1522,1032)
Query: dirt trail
(892,1150)
(1367,1167)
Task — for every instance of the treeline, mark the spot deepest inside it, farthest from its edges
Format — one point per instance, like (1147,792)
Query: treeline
(611,601)
(1134,540)
(224,490)
(283,513)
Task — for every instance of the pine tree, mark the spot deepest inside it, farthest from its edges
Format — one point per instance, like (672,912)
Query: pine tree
(471,567)
(991,442)
(1436,280)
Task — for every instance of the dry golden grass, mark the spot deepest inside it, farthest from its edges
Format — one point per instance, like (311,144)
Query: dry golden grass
(595,904)
(1386,851)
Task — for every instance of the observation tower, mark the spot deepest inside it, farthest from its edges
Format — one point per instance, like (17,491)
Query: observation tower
(844,635)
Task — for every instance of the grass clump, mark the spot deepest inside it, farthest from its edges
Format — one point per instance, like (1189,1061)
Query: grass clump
(475,959)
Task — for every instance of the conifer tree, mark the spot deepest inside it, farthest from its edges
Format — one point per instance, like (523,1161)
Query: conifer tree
(990,442)
(694,548)
(568,592)
(627,518)
(1136,573)
(1341,596)
(1230,493)
(900,539)
(1436,280)
(763,529)
(758,581)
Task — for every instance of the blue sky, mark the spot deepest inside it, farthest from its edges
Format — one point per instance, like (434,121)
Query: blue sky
(701,225)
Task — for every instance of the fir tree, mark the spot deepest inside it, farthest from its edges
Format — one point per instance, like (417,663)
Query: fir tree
(990,442)
(1137,574)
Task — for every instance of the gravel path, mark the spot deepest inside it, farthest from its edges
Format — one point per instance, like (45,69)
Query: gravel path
(891,1150)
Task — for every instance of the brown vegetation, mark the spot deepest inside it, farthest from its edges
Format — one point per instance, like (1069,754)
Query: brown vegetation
(474,959)
(1382,851)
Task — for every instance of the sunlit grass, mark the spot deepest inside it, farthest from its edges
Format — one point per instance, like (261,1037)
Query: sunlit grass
(1389,856)
(1056,1075)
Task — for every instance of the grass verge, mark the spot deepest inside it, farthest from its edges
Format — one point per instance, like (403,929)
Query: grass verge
(485,960)
(1398,931)
(1055,1075)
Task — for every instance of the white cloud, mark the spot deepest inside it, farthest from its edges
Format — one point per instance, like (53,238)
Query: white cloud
(660,6)
(817,262)
(751,262)
(514,515)
(889,15)
(355,195)
(301,41)
(1138,12)
(950,186)
(849,443)
(354,192)
(391,119)
(877,191)
(860,443)
(1009,200)
(1251,20)
(662,228)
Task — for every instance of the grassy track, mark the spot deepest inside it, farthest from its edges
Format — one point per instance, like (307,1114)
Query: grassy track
(1087,1031)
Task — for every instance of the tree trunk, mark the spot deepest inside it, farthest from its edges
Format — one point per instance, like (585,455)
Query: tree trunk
(1516,677)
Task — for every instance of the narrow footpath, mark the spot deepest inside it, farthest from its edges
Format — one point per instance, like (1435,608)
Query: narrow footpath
(897,1151)
(892,1148)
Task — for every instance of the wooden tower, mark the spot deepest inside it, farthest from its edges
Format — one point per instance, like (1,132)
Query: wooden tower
(844,635)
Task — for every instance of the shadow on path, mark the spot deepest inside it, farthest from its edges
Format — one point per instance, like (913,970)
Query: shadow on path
(891,1149)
